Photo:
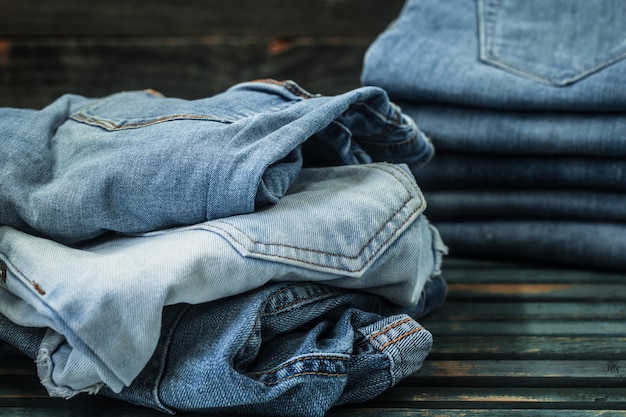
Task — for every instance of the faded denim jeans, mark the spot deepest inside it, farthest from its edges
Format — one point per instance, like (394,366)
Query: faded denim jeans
(289,349)
(137,162)
(358,227)
(524,101)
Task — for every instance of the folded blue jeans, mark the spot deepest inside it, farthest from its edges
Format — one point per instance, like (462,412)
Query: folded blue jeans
(524,101)
(459,129)
(557,55)
(588,244)
(289,349)
(354,227)
(462,171)
(137,161)
(585,206)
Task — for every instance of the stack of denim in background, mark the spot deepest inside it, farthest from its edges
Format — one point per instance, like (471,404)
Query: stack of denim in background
(525,103)
(245,253)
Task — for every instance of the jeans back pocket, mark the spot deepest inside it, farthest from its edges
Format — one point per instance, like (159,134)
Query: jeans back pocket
(136,109)
(337,220)
(556,42)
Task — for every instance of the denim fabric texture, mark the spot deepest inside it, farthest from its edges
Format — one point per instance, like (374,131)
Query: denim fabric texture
(558,55)
(584,206)
(290,349)
(510,172)
(355,227)
(525,104)
(590,244)
(522,133)
(137,161)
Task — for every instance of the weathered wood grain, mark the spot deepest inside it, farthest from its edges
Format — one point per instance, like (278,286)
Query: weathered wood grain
(449,397)
(538,291)
(528,346)
(615,371)
(501,348)
(473,412)
(36,72)
(195,17)
(186,49)
(538,328)
(498,311)
(487,271)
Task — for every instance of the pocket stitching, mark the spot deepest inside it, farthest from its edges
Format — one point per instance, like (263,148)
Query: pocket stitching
(486,22)
(112,126)
(363,266)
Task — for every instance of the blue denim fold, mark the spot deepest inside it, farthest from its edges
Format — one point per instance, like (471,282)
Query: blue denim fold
(558,55)
(137,161)
(290,349)
(481,131)
(525,102)
(524,172)
(592,244)
(587,206)
(354,227)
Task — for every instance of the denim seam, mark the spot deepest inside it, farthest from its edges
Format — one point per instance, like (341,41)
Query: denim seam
(34,284)
(293,361)
(302,374)
(488,13)
(391,326)
(396,339)
(292,87)
(296,302)
(112,126)
(302,359)
(389,122)
(375,235)
(338,255)
(67,329)
(402,336)
(3,274)
(282,307)
(163,361)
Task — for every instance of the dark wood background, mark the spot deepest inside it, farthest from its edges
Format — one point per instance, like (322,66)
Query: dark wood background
(187,48)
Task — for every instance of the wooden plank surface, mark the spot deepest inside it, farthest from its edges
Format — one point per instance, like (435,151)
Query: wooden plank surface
(38,71)
(188,49)
(501,356)
(195,17)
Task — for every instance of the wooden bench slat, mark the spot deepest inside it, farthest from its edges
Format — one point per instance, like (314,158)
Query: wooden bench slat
(61,409)
(481,271)
(34,73)
(608,397)
(469,412)
(538,328)
(528,346)
(505,352)
(189,17)
(531,291)
(466,311)
(579,369)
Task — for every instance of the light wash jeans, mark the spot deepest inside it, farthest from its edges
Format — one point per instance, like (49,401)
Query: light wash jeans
(289,349)
(355,227)
(525,102)
(137,162)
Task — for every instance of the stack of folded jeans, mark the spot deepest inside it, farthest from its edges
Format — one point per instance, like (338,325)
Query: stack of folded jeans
(525,102)
(262,251)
